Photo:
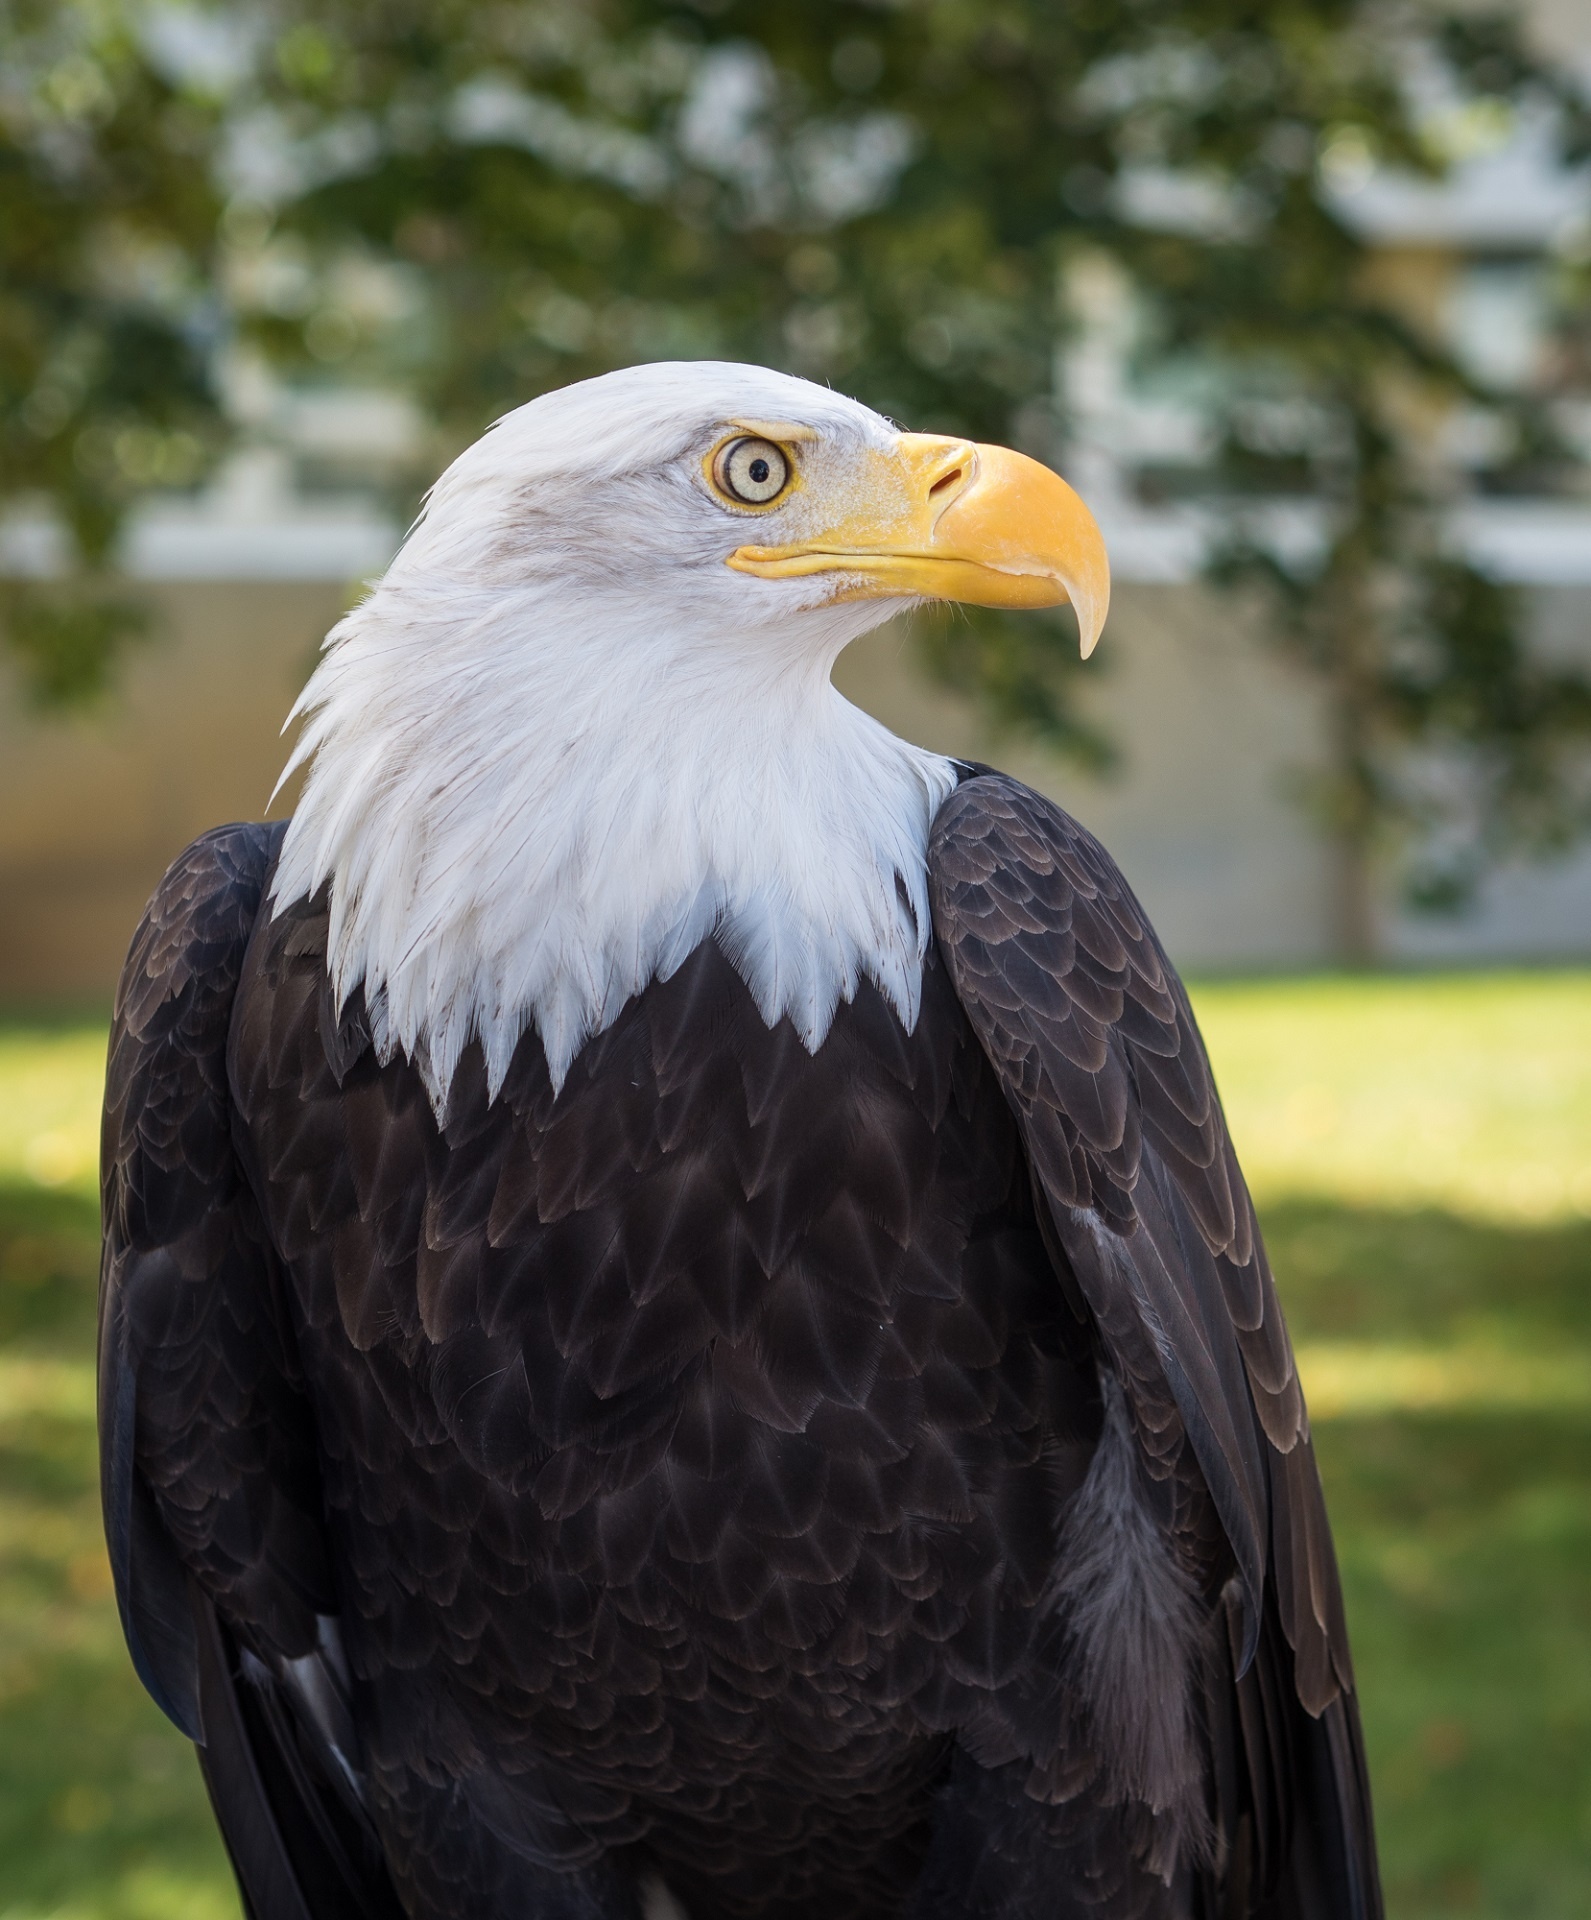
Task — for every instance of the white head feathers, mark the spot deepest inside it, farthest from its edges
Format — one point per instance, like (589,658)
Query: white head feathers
(561,743)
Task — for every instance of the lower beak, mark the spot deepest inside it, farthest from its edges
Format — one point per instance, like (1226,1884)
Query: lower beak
(954,520)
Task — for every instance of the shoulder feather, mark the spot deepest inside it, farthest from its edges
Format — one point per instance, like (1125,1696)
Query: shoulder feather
(1090,1031)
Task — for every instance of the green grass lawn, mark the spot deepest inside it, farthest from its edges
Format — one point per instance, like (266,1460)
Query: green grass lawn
(1421,1152)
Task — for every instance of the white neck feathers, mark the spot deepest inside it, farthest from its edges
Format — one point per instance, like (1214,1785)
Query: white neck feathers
(524,817)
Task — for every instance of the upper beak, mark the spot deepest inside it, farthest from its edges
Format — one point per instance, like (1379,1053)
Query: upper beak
(954,520)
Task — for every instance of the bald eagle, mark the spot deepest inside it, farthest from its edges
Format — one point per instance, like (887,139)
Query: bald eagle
(680,1328)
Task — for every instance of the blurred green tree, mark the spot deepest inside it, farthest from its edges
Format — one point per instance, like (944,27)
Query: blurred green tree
(106,314)
(905,199)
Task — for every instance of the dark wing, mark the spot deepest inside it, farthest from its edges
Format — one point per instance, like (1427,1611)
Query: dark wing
(207,1447)
(1090,1030)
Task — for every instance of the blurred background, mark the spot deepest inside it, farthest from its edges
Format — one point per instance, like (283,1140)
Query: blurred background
(1295,291)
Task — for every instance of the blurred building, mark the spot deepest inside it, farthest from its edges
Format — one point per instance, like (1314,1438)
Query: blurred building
(1217,733)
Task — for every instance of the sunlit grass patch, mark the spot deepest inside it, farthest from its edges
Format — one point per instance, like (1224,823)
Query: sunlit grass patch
(51,1082)
(142,1893)
(1467,1092)
(1358,1378)
(37,1387)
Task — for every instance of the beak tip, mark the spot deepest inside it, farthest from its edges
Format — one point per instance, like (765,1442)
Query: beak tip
(1090,625)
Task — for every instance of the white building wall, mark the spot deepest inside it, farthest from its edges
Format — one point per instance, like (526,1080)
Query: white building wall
(1215,734)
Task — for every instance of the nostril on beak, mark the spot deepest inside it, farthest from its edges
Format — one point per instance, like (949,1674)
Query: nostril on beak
(951,479)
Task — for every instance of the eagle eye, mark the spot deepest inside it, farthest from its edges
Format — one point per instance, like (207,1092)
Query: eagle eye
(751,471)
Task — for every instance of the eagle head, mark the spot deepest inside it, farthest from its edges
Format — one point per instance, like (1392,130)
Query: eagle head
(585,719)
(736,499)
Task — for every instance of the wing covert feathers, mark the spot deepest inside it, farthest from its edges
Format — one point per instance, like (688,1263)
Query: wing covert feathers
(177,1369)
(209,1471)
(1091,1033)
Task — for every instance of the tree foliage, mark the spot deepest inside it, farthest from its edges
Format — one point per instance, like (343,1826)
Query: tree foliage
(106,311)
(898,198)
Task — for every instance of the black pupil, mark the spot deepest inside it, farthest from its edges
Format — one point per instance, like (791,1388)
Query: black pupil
(759,471)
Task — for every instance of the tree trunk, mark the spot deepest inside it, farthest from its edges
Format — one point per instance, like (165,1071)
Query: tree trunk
(1354,922)
(1355,805)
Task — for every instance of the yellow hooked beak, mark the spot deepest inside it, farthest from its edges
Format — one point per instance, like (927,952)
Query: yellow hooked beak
(953,520)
